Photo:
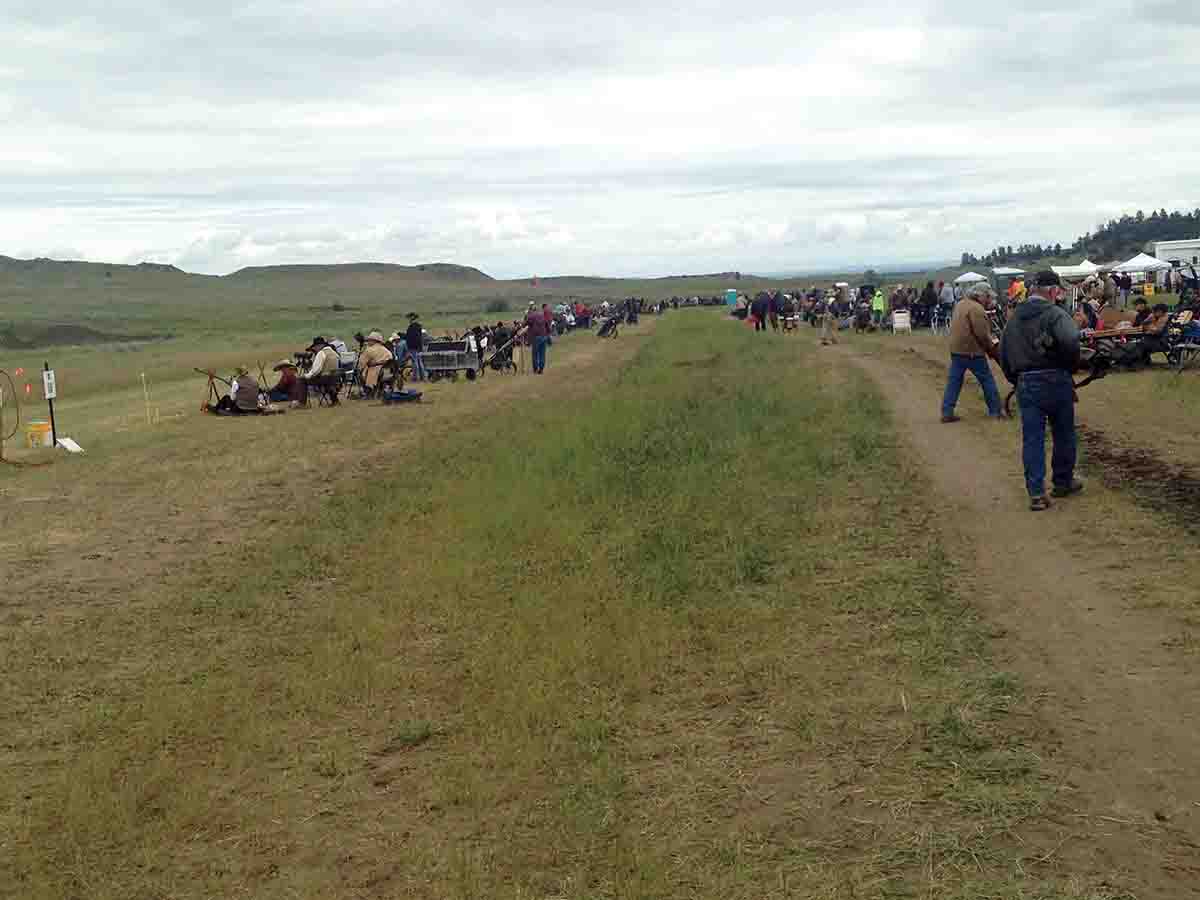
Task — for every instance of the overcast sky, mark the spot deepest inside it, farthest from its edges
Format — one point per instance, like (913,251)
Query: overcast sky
(605,138)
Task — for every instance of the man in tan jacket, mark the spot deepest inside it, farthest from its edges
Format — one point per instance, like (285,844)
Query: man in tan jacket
(971,343)
(374,356)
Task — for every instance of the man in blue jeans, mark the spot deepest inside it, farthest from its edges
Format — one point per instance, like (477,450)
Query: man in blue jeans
(539,336)
(971,343)
(1038,352)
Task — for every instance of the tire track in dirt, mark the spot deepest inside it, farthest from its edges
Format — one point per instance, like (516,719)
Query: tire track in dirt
(1122,706)
(1154,481)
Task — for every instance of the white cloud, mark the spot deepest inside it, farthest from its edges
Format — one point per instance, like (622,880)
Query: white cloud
(604,138)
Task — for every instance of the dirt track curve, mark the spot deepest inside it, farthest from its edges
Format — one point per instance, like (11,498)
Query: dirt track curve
(1123,704)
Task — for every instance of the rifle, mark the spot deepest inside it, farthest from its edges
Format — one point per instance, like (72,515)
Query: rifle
(213,396)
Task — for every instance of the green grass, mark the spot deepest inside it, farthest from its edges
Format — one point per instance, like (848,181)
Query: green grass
(667,638)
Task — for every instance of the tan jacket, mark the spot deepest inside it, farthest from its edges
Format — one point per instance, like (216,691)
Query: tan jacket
(370,362)
(970,331)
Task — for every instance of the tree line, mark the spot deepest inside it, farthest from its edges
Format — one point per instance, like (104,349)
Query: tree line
(1116,239)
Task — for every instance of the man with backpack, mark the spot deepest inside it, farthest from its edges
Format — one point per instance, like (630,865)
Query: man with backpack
(1038,352)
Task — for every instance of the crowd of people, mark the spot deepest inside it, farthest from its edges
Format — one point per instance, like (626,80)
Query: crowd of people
(1037,332)
(327,366)
(840,307)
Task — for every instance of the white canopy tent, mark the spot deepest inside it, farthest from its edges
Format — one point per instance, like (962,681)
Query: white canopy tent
(969,278)
(1004,271)
(1083,270)
(1142,263)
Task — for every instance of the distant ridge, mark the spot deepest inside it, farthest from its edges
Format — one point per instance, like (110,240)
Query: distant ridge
(425,271)
(42,263)
(440,271)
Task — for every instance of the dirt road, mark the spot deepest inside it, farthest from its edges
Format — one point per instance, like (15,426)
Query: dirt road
(1118,693)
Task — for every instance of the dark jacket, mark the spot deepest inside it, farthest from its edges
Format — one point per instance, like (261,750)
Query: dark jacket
(1040,335)
(538,326)
(415,338)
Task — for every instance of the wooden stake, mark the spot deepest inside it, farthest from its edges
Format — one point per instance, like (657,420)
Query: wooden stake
(146,397)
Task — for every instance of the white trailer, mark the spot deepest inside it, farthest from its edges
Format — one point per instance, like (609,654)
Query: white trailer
(1185,252)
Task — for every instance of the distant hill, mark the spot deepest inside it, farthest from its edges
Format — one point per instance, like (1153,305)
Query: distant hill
(42,264)
(446,272)
(425,272)
(1116,240)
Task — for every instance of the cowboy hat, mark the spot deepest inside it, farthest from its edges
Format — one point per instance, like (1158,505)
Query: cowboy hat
(317,343)
(283,364)
(395,336)
(240,370)
(375,336)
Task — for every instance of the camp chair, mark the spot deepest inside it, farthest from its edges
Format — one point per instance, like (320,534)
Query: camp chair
(901,321)
(326,388)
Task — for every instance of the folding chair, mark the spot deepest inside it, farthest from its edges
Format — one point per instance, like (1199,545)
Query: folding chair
(901,321)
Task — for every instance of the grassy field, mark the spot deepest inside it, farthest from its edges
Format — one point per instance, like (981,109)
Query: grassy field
(162,322)
(640,644)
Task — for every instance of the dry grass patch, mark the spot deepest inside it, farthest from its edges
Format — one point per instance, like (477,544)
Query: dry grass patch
(695,638)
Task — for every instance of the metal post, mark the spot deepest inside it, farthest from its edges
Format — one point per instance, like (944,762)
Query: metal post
(53,427)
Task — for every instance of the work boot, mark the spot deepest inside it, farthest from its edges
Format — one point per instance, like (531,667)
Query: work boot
(950,418)
(1067,490)
(1037,504)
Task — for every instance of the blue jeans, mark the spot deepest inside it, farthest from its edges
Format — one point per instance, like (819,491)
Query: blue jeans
(417,366)
(539,353)
(977,366)
(1047,395)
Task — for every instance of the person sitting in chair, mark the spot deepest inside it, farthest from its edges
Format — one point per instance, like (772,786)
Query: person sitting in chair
(1142,312)
(289,388)
(323,373)
(242,399)
(1154,332)
(371,361)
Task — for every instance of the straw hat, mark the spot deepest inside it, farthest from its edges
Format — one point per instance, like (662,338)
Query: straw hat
(283,364)
(395,336)
(240,370)
(375,336)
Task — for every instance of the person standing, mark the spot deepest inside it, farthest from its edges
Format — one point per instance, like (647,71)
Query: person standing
(971,343)
(414,339)
(758,309)
(1108,289)
(539,337)
(946,294)
(829,321)
(878,307)
(1038,352)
